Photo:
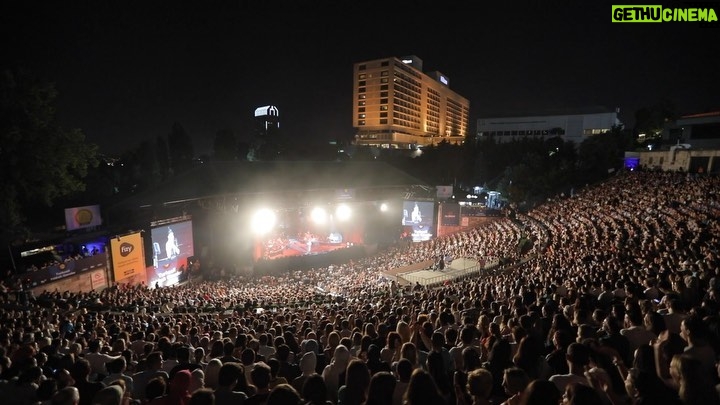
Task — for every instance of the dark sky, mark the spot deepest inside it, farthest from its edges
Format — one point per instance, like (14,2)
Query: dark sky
(127,70)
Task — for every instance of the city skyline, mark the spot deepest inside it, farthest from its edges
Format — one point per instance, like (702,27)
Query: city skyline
(125,75)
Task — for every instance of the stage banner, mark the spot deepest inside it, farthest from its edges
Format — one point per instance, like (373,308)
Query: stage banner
(98,280)
(127,256)
(450,214)
(82,217)
(62,270)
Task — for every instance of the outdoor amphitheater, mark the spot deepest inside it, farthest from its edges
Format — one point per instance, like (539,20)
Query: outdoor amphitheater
(622,271)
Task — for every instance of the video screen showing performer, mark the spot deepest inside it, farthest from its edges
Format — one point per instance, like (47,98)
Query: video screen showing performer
(172,246)
(419,219)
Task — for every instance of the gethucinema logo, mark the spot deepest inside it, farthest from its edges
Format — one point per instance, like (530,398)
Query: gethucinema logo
(656,14)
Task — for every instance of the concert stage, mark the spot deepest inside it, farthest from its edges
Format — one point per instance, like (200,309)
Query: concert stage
(317,260)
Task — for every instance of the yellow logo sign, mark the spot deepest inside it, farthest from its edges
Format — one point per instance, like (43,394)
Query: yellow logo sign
(656,14)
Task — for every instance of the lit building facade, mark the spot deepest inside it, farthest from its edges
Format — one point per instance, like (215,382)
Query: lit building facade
(264,145)
(572,126)
(397,106)
(267,120)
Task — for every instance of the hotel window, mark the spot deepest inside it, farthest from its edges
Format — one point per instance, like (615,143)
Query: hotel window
(383,114)
(361,109)
(383,121)
(384,80)
(384,63)
(361,102)
(361,90)
(361,67)
(361,115)
(362,76)
(361,83)
(384,94)
(383,108)
(384,73)
(361,122)
(384,87)
(361,96)
(383,101)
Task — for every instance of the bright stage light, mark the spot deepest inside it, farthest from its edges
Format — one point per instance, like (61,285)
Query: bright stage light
(263,221)
(342,212)
(383,207)
(318,215)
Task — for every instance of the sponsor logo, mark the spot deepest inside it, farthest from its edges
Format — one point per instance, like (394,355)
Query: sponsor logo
(126,249)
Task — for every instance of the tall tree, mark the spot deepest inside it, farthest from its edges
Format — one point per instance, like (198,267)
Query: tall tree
(650,121)
(602,154)
(181,149)
(163,157)
(39,160)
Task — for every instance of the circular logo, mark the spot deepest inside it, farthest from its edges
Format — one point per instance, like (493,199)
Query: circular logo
(84,216)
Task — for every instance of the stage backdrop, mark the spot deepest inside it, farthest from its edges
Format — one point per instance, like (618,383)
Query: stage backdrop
(297,235)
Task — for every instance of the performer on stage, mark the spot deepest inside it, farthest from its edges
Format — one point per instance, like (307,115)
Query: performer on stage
(416,215)
(172,248)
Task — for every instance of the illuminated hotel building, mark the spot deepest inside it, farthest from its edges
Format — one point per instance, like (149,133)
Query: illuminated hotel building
(396,105)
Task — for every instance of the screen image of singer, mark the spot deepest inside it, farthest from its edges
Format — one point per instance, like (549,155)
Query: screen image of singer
(172,246)
(418,219)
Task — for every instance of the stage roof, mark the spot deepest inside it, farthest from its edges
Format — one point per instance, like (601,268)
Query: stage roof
(251,178)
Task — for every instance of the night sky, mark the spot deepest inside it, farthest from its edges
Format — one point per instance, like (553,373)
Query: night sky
(127,70)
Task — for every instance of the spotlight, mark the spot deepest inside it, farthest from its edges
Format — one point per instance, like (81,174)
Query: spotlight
(383,207)
(263,221)
(318,215)
(342,212)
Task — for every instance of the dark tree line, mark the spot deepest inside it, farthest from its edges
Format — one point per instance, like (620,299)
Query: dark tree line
(40,162)
(528,169)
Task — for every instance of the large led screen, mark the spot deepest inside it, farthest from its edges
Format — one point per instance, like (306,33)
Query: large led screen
(172,245)
(418,220)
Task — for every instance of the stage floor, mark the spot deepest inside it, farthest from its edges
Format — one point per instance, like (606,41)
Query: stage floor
(294,248)
(460,267)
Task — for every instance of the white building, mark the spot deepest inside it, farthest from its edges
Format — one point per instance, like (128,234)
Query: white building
(701,130)
(571,126)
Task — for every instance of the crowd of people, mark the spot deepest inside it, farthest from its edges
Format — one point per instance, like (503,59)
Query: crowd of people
(616,302)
